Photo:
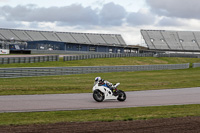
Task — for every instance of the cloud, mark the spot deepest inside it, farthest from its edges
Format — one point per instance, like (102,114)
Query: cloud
(176,8)
(73,14)
(141,18)
(167,21)
(112,14)
(77,15)
(4,0)
(9,24)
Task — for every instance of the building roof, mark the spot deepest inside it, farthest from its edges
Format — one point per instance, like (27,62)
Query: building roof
(68,37)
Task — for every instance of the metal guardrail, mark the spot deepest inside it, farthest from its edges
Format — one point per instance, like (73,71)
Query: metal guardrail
(194,65)
(48,71)
(107,55)
(91,56)
(9,60)
(179,55)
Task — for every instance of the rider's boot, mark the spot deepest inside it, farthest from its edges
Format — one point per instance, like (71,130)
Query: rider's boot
(115,92)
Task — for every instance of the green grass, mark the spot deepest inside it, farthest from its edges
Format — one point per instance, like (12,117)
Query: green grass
(124,114)
(108,62)
(130,81)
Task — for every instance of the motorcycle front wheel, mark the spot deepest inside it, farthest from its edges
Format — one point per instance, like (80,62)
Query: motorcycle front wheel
(121,96)
(98,96)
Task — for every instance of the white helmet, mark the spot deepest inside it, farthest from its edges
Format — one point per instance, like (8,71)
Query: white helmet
(97,79)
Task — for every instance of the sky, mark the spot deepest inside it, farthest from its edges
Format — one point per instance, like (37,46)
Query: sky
(125,17)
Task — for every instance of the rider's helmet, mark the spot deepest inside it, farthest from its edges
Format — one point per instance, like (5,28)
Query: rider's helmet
(97,79)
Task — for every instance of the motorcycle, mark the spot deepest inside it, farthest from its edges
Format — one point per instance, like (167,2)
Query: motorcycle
(101,93)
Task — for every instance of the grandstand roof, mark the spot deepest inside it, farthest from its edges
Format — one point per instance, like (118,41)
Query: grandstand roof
(172,40)
(68,37)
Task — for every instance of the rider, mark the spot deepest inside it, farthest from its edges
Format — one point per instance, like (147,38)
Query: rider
(102,82)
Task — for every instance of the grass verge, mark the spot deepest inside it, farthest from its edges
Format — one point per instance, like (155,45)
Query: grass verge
(123,114)
(130,81)
(108,62)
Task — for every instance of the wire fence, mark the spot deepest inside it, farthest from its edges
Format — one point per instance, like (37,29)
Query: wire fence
(48,71)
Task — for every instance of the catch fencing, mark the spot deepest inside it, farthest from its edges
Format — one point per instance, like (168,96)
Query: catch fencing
(48,71)
(33,59)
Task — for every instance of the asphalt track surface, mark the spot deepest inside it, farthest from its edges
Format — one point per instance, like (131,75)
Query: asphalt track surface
(55,102)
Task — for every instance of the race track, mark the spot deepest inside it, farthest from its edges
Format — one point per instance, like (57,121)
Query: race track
(55,102)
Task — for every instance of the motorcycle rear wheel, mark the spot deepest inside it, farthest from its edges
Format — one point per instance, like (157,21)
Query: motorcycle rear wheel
(121,96)
(98,96)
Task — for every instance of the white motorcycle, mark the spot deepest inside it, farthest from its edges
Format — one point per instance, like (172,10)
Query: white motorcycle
(101,93)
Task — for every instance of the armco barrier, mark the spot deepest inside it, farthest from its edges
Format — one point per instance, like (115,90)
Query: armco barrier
(9,60)
(179,55)
(91,56)
(107,55)
(47,71)
(194,65)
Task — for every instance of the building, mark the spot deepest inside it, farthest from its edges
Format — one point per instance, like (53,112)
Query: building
(15,39)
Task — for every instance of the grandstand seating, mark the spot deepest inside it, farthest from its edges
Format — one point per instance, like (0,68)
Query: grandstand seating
(147,40)
(96,39)
(158,40)
(21,35)
(121,40)
(188,41)
(1,37)
(172,40)
(68,37)
(197,37)
(8,35)
(50,36)
(35,35)
(110,39)
(81,38)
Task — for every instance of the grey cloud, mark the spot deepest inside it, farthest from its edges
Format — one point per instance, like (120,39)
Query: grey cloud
(74,14)
(176,8)
(140,19)
(112,14)
(166,21)
(9,24)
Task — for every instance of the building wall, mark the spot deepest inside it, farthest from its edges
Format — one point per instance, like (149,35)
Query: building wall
(46,45)
(51,45)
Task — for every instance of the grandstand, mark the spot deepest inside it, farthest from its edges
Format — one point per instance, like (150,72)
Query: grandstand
(68,41)
(183,41)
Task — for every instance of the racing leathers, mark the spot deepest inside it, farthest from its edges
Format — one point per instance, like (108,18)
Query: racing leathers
(108,84)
